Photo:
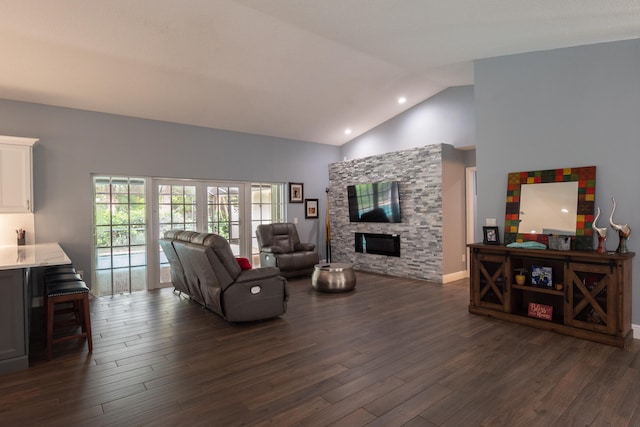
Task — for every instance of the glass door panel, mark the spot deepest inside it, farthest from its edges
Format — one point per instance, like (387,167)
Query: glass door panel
(223,207)
(591,297)
(490,272)
(177,209)
(267,206)
(230,209)
(120,244)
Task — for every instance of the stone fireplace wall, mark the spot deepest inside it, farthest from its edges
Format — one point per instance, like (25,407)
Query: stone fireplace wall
(419,173)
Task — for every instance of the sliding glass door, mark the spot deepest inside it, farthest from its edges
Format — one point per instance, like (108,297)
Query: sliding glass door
(205,206)
(224,214)
(267,206)
(120,235)
(176,208)
(130,214)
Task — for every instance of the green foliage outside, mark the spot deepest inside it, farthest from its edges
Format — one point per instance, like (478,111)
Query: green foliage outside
(120,212)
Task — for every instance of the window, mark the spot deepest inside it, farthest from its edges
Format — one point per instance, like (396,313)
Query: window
(120,227)
(176,209)
(218,207)
(123,225)
(267,206)
(223,214)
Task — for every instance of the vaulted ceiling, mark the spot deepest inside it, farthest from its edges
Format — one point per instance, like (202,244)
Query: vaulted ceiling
(298,69)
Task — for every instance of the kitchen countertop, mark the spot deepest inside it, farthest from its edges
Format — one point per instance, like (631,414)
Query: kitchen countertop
(38,255)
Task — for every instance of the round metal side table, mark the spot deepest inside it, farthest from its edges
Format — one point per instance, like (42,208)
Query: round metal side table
(333,277)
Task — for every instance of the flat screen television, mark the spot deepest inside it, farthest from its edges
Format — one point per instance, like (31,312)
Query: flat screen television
(374,202)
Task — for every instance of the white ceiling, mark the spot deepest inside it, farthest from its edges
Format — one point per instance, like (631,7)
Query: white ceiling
(299,69)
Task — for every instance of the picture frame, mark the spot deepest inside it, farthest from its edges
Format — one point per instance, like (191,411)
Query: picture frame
(311,208)
(542,277)
(491,235)
(296,192)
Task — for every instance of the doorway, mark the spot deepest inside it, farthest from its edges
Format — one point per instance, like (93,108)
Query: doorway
(471,206)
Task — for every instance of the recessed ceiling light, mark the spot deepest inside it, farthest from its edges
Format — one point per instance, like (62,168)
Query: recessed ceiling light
(402,100)
(347,131)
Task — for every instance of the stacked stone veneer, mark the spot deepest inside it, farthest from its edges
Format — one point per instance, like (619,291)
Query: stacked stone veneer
(419,173)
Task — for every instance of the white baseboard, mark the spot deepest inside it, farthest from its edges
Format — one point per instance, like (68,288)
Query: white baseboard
(636,331)
(452,277)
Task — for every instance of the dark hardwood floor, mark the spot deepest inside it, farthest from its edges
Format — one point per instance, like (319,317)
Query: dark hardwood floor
(394,352)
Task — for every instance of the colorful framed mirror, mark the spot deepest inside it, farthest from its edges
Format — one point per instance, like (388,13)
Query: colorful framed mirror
(582,235)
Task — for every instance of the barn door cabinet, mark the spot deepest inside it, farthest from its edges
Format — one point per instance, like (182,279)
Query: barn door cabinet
(16,174)
(579,293)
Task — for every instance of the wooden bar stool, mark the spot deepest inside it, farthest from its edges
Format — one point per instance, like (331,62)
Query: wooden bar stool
(57,275)
(54,269)
(50,272)
(76,292)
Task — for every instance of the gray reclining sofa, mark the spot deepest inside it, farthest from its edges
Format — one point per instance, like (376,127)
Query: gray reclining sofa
(204,267)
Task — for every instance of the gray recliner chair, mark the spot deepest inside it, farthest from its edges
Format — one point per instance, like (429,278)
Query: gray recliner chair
(178,279)
(280,247)
(208,271)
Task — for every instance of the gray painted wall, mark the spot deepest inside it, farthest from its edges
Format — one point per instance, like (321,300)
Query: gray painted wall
(454,210)
(446,118)
(74,144)
(569,107)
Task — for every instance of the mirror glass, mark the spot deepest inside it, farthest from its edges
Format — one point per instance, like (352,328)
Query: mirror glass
(548,208)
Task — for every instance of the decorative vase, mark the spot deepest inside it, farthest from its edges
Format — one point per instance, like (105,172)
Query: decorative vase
(520,279)
(601,244)
(622,244)
(624,231)
(601,233)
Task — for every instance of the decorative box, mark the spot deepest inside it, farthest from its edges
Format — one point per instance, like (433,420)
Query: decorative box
(560,243)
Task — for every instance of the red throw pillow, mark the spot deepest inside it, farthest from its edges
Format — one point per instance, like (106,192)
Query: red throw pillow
(244,263)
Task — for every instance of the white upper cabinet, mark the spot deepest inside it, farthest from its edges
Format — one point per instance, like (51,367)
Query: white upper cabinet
(16,174)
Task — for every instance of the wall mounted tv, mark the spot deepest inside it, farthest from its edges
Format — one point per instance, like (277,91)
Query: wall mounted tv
(374,202)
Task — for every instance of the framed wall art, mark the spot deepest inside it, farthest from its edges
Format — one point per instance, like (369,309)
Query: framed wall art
(296,192)
(311,208)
